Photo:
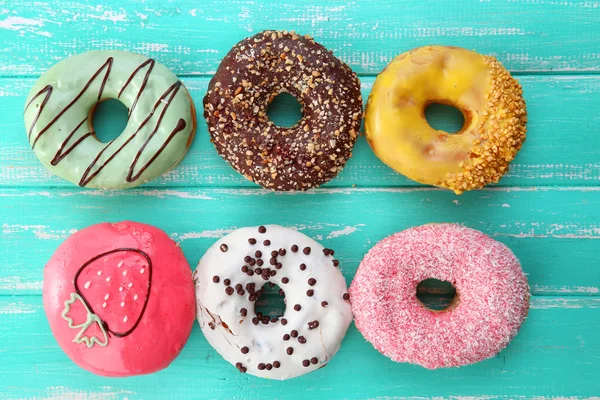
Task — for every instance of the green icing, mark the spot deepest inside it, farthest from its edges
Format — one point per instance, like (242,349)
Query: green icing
(90,320)
(57,124)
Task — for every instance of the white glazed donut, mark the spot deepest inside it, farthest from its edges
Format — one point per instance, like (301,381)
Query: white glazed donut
(229,277)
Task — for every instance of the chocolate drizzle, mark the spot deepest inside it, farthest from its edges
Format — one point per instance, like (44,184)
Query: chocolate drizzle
(165,99)
(117,334)
(60,154)
(150,62)
(107,65)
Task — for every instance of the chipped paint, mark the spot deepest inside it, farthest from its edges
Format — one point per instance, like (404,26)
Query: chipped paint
(42,232)
(347,230)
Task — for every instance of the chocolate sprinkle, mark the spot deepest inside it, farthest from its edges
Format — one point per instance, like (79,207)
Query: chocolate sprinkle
(282,252)
(313,325)
(312,281)
(306,250)
(336,263)
(324,304)
(294,248)
(276,364)
(286,337)
(227,282)
(244,350)
(215,279)
(224,248)
(262,229)
(301,339)
(294,333)
(255,320)
(289,351)
(297,307)
(267,242)
(269,367)
(283,321)
(252,241)
(306,363)
(274,253)
(283,280)
(229,290)
(314,360)
(245,269)
(302,267)
(247,259)
(243,312)
(310,292)
(258,254)
(260,262)
(346,296)
(261,366)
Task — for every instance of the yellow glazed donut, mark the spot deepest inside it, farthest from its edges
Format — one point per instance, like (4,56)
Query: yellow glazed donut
(479,86)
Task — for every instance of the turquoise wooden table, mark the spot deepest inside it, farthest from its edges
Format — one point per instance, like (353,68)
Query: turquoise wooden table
(547,208)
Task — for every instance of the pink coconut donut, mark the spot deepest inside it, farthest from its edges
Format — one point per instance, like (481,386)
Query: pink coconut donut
(119,298)
(491,303)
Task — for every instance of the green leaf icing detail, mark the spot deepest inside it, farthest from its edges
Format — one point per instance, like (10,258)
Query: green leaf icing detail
(90,320)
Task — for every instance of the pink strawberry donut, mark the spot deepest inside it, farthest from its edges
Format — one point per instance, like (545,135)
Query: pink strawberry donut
(491,303)
(119,298)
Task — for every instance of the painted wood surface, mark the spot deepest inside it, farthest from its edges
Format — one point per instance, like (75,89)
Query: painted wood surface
(547,208)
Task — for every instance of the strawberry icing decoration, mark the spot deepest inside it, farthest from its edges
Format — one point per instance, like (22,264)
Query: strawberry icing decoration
(111,294)
(119,298)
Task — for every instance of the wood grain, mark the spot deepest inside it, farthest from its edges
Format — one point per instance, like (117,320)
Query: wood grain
(192,37)
(548,229)
(546,209)
(534,364)
(542,160)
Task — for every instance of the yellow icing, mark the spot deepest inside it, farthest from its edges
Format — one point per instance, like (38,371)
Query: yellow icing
(494,128)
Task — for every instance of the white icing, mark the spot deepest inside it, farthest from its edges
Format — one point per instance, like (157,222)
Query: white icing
(265,342)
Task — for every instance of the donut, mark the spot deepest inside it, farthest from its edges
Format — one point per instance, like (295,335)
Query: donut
(230,278)
(60,107)
(489,98)
(119,298)
(491,302)
(251,75)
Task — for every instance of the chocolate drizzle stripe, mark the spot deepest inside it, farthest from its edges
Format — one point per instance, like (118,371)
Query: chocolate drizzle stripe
(48,92)
(172,90)
(60,154)
(180,126)
(107,65)
(117,334)
(144,82)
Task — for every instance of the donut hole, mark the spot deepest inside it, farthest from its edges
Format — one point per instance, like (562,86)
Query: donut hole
(270,302)
(444,117)
(108,119)
(285,110)
(436,295)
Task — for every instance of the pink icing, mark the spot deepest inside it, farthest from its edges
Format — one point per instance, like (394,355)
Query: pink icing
(141,340)
(492,290)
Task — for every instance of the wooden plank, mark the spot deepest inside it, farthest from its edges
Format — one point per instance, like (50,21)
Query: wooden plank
(559,335)
(543,161)
(552,231)
(192,38)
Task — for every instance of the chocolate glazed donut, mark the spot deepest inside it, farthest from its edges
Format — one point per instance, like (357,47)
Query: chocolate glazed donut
(252,74)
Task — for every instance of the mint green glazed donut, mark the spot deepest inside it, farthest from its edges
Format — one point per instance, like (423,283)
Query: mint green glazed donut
(59,110)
